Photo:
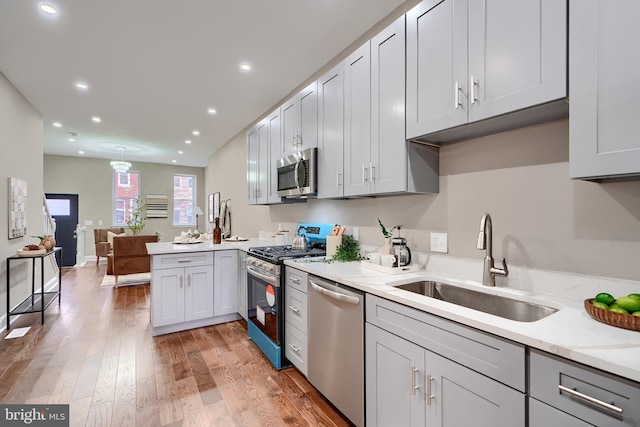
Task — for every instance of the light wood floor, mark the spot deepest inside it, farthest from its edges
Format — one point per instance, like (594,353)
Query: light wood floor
(96,353)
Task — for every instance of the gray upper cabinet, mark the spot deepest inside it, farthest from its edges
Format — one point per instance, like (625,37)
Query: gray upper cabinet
(275,142)
(331,133)
(604,67)
(257,163)
(357,119)
(299,121)
(377,158)
(471,60)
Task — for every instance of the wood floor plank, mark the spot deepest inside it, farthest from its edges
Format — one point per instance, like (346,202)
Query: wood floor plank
(97,354)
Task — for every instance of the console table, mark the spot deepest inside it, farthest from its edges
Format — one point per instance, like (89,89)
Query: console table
(37,301)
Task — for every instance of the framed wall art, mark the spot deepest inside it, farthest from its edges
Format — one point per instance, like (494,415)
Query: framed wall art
(214,206)
(17,208)
(156,205)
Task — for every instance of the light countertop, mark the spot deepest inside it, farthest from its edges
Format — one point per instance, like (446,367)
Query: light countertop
(162,248)
(569,333)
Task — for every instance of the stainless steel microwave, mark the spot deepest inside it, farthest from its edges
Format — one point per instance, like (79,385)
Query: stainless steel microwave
(297,174)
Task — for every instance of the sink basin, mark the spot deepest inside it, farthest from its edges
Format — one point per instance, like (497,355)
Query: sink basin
(509,308)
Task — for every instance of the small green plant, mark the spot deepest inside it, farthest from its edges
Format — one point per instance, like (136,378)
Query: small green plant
(349,250)
(137,217)
(388,233)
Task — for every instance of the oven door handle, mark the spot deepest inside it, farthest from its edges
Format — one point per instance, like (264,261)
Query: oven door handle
(266,277)
(335,295)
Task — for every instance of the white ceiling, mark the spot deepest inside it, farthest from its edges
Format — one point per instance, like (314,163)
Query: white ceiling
(155,67)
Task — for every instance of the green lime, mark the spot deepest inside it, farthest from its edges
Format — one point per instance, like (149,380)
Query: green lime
(614,305)
(618,310)
(634,295)
(605,298)
(600,305)
(636,313)
(630,304)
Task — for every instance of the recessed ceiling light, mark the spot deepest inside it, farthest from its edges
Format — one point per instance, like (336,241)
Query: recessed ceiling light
(82,85)
(211,111)
(47,8)
(245,67)
(196,132)
(80,152)
(96,119)
(188,141)
(180,152)
(72,140)
(174,161)
(57,124)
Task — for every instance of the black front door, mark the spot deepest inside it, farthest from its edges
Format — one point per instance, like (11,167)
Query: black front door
(64,209)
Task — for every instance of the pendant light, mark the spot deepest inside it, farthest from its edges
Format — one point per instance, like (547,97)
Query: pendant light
(120,166)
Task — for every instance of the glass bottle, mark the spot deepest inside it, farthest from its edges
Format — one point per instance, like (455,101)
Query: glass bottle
(217,232)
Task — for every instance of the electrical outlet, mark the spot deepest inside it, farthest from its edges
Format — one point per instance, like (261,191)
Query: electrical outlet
(439,243)
(88,222)
(100,222)
(356,233)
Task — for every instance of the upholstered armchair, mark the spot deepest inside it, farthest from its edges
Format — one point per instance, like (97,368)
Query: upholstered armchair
(103,247)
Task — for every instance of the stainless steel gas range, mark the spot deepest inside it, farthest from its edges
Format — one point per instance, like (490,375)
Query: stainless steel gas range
(265,290)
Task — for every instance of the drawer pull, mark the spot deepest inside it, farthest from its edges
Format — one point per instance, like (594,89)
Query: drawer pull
(183,260)
(293,279)
(575,393)
(294,348)
(294,309)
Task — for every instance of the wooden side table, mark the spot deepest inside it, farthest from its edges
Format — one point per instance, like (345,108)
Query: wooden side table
(37,301)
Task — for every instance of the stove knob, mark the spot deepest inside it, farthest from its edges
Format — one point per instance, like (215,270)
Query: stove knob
(269,267)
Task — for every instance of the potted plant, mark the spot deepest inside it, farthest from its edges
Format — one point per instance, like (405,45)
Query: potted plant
(387,233)
(137,217)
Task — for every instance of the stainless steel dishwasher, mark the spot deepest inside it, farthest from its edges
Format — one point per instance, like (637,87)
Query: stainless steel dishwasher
(336,345)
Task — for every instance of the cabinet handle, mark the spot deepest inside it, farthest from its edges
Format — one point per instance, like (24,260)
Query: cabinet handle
(473,89)
(429,395)
(364,173)
(181,281)
(293,141)
(293,279)
(294,309)
(414,387)
(338,178)
(294,348)
(456,96)
(373,172)
(189,280)
(575,393)
(183,260)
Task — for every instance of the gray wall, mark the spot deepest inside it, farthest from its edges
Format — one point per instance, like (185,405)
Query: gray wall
(541,218)
(92,178)
(21,148)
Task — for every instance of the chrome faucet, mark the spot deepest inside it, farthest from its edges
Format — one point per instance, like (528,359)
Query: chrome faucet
(485,241)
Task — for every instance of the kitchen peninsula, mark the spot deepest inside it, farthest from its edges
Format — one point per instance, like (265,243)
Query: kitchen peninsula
(196,285)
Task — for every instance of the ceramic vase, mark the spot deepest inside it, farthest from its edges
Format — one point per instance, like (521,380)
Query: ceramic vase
(387,249)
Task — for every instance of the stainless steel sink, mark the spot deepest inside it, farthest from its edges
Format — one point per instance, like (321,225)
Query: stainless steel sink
(509,308)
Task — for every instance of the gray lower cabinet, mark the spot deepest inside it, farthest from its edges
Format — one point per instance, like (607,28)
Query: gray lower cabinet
(295,326)
(424,370)
(225,281)
(603,87)
(242,284)
(543,415)
(585,395)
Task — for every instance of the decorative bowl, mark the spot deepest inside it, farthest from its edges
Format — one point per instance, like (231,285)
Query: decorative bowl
(612,318)
(32,253)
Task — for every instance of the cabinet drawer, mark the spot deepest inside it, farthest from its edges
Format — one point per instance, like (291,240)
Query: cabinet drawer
(498,358)
(296,308)
(189,259)
(295,347)
(296,279)
(584,392)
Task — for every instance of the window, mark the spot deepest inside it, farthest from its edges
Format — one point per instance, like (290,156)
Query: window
(126,189)
(184,196)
